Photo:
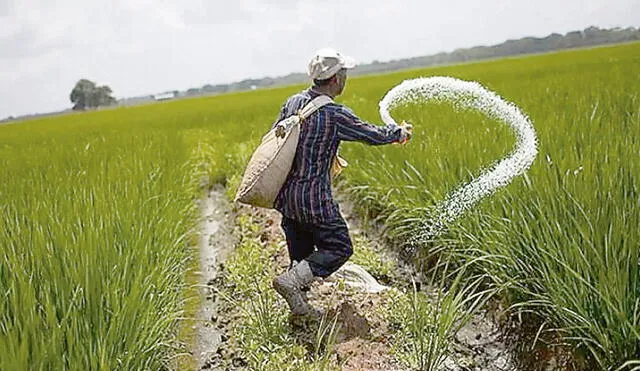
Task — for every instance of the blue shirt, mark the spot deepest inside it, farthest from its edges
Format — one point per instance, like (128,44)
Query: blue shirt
(306,194)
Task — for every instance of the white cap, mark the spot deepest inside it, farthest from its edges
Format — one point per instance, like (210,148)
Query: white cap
(327,62)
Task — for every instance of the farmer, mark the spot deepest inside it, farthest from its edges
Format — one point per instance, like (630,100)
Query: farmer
(317,236)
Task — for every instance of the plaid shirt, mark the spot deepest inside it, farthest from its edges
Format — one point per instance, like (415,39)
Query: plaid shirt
(306,194)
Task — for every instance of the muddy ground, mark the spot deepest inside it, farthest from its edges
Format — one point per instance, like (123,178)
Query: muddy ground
(365,337)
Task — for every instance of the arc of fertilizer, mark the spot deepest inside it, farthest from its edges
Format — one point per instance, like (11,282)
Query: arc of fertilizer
(467,95)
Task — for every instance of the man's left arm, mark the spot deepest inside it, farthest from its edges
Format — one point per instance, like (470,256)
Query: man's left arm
(281,116)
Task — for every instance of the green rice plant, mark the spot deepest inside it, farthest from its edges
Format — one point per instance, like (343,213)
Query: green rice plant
(325,340)
(630,365)
(96,215)
(564,237)
(79,257)
(428,321)
(379,267)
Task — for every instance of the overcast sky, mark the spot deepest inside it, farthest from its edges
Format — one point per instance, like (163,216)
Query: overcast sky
(140,47)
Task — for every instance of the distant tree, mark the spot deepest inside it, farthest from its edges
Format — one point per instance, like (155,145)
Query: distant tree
(81,94)
(86,94)
(103,96)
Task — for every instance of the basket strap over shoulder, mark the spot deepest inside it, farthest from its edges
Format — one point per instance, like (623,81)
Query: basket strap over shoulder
(313,106)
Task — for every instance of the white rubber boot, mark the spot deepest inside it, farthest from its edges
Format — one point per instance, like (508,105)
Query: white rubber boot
(289,286)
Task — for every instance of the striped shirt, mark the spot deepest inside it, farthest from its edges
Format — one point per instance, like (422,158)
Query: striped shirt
(306,194)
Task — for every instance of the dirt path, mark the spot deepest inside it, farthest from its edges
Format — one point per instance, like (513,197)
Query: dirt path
(216,240)
(364,339)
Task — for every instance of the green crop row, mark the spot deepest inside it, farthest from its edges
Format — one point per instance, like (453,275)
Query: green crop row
(565,237)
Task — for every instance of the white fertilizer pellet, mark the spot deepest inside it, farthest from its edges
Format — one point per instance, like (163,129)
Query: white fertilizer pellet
(467,95)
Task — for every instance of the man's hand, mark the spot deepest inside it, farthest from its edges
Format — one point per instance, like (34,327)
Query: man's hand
(406,133)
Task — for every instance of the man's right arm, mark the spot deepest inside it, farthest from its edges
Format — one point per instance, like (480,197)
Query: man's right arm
(352,128)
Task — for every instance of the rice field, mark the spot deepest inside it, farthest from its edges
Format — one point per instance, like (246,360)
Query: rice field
(564,238)
(97,210)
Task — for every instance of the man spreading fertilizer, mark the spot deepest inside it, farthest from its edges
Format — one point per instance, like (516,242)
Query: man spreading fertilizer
(317,236)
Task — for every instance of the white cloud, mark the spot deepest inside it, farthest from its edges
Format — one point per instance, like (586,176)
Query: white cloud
(147,46)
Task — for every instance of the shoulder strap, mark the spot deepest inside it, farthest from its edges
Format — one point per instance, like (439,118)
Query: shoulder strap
(313,106)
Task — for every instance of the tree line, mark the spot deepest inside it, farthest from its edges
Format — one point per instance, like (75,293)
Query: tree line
(87,94)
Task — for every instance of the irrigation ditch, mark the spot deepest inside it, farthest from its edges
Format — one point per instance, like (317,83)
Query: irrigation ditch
(216,241)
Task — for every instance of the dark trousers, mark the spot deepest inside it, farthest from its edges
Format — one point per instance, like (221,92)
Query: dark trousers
(326,246)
